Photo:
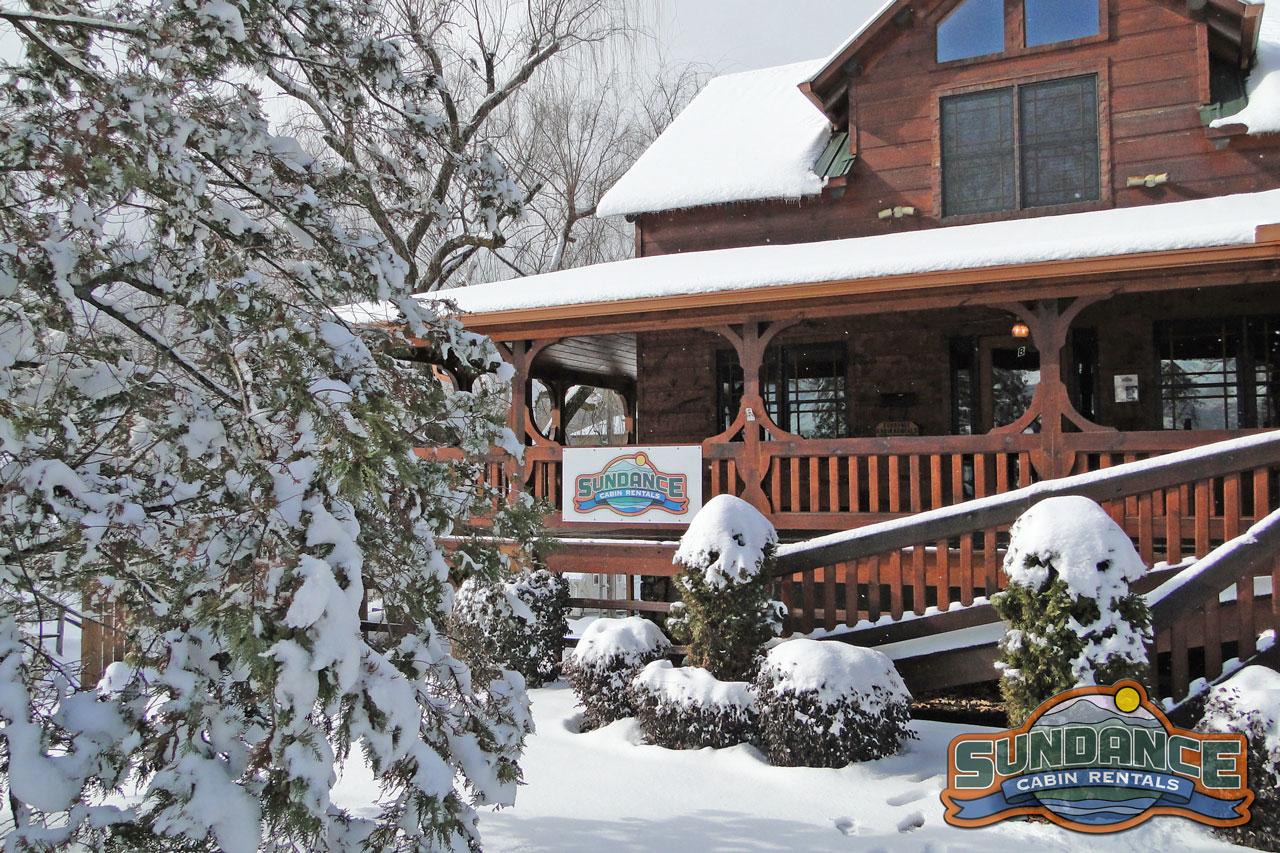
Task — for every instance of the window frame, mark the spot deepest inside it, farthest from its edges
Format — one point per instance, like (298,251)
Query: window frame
(1239,389)
(1104,200)
(1015,34)
(726,366)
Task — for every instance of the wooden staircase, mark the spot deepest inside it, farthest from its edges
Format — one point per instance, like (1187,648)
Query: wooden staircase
(915,587)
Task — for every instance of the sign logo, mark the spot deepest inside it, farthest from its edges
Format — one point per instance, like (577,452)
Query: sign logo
(1097,759)
(631,485)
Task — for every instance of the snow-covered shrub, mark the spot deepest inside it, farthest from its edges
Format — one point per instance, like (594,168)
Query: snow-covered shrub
(607,657)
(726,616)
(546,594)
(825,704)
(688,708)
(1249,703)
(492,629)
(518,624)
(1072,619)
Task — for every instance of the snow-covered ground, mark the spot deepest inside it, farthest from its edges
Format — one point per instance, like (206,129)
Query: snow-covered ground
(606,790)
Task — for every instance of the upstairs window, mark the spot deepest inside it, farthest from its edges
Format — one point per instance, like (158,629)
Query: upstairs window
(974,28)
(1053,21)
(1018,147)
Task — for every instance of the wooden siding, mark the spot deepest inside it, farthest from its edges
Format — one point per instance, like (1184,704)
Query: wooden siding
(1153,77)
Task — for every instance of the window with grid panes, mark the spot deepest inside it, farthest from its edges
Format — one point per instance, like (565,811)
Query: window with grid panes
(804,388)
(1220,373)
(1017,147)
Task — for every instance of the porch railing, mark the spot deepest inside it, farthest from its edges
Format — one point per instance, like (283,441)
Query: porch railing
(839,484)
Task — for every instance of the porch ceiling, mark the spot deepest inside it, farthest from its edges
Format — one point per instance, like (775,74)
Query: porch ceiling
(603,359)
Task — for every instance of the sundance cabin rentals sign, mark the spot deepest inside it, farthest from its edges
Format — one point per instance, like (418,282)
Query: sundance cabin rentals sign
(629,485)
(1098,759)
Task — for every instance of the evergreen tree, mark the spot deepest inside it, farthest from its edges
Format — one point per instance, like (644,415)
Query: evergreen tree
(190,432)
(1072,618)
(725,613)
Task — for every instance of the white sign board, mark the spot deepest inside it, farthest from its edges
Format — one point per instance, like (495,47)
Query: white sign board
(632,485)
(1127,388)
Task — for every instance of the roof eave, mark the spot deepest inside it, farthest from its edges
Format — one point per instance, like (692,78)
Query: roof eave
(1266,246)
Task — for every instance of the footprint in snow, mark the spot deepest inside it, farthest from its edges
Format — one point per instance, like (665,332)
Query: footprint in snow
(911,822)
(846,825)
(907,797)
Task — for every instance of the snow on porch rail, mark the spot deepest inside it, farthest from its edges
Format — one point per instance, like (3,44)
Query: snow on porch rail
(1197,611)
(1256,549)
(1200,463)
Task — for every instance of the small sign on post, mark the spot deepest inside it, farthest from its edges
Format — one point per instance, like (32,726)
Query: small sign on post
(632,485)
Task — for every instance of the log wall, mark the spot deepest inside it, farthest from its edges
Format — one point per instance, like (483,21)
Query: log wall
(1153,69)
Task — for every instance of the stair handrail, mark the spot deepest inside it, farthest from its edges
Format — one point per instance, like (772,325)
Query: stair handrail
(1222,567)
(1132,478)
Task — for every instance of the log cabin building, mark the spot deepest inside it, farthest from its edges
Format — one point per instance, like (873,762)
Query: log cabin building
(985,244)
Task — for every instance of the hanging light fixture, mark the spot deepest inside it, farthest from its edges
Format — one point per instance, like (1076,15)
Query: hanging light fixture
(1021,330)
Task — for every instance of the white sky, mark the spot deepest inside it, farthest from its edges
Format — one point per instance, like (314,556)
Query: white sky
(739,35)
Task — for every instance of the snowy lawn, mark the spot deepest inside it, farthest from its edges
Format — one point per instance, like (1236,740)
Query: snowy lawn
(605,790)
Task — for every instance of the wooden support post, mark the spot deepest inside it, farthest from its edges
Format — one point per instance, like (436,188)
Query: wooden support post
(1050,327)
(752,418)
(520,355)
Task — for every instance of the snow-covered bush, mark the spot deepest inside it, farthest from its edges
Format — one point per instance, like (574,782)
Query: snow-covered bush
(546,594)
(1249,703)
(517,624)
(492,629)
(726,616)
(825,704)
(1072,618)
(607,657)
(688,708)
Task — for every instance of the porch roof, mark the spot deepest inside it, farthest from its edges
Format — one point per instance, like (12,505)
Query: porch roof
(1227,228)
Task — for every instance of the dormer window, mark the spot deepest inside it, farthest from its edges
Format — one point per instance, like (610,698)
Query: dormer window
(1053,21)
(974,28)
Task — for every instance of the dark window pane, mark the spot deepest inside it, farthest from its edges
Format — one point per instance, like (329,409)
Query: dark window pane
(803,385)
(1059,122)
(728,387)
(1219,374)
(975,28)
(815,404)
(1050,21)
(1015,375)
(977,153)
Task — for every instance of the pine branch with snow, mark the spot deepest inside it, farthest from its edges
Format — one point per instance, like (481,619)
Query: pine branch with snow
(189,432)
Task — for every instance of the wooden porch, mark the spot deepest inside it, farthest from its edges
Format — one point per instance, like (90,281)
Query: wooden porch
(924,518)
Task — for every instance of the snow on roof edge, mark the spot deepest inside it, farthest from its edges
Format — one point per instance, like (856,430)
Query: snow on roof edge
(1213,222)
(835,54)
(717,152)
(1262,114)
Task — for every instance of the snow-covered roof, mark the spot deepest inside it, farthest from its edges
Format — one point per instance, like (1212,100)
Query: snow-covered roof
(745,137)
(1262,115)
(1202,223)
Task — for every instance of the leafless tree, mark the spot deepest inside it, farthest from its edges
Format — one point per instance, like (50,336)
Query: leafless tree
(456,198)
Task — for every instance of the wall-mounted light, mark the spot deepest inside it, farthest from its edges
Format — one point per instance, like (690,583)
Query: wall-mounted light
(896,212)
(1148,181)
(1020,330)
